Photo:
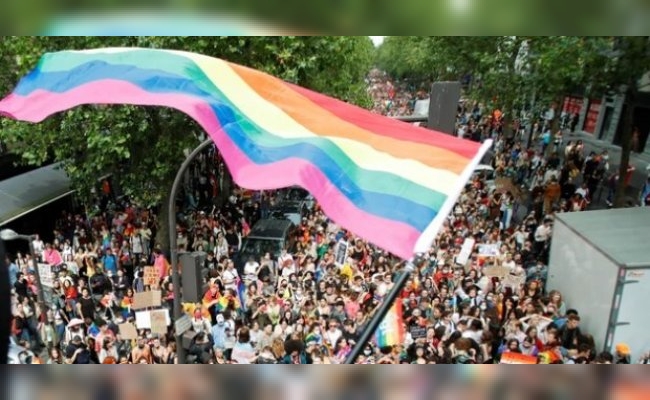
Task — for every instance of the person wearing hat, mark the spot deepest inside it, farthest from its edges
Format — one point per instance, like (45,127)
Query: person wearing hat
(622,354)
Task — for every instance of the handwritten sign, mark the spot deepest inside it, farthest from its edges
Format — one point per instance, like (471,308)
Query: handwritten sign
(128,331)
(149,299)
(159,321)
(151,277)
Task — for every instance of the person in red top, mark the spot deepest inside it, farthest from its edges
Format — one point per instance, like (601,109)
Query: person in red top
(69,291)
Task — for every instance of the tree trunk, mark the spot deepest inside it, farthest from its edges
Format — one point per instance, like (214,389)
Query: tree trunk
(555,127)
(162,234)
(626,147)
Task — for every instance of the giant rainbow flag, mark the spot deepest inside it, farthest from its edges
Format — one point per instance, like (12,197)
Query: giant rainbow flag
(386,181)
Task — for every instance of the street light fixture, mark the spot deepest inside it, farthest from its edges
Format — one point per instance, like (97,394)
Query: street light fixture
(8,235)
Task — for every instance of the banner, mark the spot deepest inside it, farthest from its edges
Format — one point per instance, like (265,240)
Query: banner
(517,358)
(592,116)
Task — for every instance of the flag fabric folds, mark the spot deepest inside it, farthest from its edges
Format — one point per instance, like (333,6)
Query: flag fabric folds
(386,181)
(391,331)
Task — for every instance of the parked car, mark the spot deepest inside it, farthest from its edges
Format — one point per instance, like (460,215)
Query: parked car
(487,173)
(292,210)
(266,236)
(297,193)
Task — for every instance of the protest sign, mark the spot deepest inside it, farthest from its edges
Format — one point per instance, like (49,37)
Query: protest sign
(418,332)
(488,250)
(496,272)
(341,253)
(143,319)
(149,299)
(128,331)
(158,321)
(151,277)
(465,252)
(514,281)
(183,324)
(46,274)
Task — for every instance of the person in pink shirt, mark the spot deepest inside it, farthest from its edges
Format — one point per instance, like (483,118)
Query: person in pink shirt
(52,255)
(160,264)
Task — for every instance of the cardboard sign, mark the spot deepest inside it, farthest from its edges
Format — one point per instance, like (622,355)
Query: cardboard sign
(496,272)
(341,253)
(128,331)
(517,358)
(158,321)
(151,277)
(513,281)
(149,299)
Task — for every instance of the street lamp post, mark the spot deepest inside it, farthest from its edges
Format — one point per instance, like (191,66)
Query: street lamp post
(9,235)
(176,277)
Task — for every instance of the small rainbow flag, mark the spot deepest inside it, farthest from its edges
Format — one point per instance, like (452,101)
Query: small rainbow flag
(392,331)
(386,181)
(241,294)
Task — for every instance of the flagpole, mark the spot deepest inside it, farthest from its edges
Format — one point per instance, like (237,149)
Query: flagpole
(385,307)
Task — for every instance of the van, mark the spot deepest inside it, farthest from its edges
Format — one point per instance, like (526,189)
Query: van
(266,236)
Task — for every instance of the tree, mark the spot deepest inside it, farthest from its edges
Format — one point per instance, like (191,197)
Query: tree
(503,69)
(132,143)
(624,62)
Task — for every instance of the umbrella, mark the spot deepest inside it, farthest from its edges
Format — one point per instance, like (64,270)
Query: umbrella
(75,322)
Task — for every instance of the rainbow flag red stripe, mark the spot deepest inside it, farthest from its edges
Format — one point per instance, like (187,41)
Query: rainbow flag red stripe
(386,181)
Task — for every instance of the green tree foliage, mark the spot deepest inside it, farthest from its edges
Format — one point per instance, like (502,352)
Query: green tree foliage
(142,147)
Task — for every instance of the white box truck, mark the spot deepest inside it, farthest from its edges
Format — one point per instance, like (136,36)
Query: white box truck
(600,262)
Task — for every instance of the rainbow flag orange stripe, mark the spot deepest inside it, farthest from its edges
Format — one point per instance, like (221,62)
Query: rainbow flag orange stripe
(388,182)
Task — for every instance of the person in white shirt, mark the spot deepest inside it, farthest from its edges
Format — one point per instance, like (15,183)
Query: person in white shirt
(229,276)
(39,247)
(332,335)
(251,269)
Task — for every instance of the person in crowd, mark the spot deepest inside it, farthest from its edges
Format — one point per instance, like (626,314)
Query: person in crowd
(301,303)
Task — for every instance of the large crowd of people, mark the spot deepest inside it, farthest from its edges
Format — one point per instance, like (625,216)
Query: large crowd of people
(302,307)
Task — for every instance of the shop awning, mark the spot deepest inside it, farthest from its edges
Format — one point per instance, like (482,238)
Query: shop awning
(25,193)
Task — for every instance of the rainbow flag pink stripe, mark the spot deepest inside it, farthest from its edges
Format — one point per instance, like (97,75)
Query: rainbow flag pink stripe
(388,182)
(391,331)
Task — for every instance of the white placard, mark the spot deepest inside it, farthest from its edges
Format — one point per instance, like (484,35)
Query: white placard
(46,275)
(465,251)
(143,319)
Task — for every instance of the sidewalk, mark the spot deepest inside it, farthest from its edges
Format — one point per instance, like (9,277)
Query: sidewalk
(639,161)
